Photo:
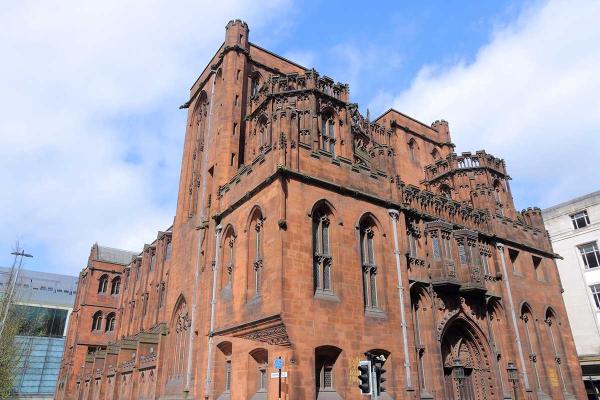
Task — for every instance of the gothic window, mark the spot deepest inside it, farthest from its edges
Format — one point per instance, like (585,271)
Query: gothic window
(261,359)
(168,249)
(144,304)
(179,341)
(110,323)
(199,126)
(369,268)
(412,245)
(103,284)
(325,360)
(530,334)
(254,84)
(435,154)
(328,132)
(412,150)
(223,370)
(513,255)
(152,259)
(255,234)
(557,345)
(161,295)
(97,321)
(228,249)
(321,249)
(115,286)
(435,246)
(485,255)
(262,133)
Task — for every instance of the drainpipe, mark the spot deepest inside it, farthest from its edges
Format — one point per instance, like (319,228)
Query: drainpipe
(213,304)
(394,215)
(500,248)
(201,236)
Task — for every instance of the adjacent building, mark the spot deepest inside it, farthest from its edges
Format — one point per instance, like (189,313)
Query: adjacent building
(574,228)
(308,232)
(45,300)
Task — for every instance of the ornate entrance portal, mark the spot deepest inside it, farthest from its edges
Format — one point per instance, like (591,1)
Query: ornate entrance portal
(465,353)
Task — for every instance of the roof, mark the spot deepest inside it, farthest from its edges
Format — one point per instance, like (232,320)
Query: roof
(115,256)
(572,205)
(42,288)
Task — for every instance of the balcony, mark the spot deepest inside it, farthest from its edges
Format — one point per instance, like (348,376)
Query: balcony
(465,161)
(443,275)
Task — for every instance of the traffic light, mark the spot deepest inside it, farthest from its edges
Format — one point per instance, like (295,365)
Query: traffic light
(379,371)
(364,376)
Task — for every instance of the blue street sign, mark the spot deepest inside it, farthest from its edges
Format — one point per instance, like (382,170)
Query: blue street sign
(278,363)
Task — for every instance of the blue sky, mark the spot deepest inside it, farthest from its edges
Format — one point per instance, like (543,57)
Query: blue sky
(92,133)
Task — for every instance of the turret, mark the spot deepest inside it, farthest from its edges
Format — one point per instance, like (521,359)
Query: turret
(442,128)
(533,217)
(236,33)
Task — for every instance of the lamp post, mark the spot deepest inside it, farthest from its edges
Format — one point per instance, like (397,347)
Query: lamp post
(458,372)
(513,377)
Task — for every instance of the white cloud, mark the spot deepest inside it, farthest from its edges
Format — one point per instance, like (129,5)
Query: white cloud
(530,96)
(91,135)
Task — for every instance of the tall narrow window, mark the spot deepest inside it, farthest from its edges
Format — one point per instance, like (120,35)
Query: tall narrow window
(369,269)
(596,295)
(412,245)
(321,255)
(103,284)
(328,132)
(97,321)
(161,295)
(168,250)
(325,360)
(435,244)
(110,322)
(261,357)
(228,257)
(254,84)
(116,286)
(255,239)
(513,255)
(179,341)
(412,150)
(485,262)
(144,303)
(152,259)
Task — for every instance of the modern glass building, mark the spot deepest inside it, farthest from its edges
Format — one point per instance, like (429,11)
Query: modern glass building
(44,301)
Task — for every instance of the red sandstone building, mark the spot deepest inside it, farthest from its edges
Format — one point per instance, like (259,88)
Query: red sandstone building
(306,231)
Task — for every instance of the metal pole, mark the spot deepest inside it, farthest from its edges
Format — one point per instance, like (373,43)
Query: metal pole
(279,397)
(13,283)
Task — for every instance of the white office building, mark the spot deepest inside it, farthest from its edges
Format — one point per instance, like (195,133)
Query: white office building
(574,228)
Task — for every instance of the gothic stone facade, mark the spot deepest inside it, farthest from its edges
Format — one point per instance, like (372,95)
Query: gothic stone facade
(307,231)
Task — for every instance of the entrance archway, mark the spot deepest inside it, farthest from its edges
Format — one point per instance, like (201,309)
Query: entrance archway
(464,346)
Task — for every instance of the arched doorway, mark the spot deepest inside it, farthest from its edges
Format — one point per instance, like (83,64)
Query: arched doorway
(465,354)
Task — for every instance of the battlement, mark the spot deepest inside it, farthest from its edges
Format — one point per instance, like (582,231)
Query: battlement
(465,160)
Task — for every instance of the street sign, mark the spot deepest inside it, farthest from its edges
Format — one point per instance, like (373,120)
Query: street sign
(275,375)
(278,364)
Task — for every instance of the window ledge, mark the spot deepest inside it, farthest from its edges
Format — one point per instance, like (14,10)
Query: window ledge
(326,295)
(375,313)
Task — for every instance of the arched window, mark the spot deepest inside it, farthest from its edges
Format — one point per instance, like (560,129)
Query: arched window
(497,192)
(180,325)
(103,284)
(97,321)
(110,323)
(261,358)
(435,154)
(223,370)
(228,246)
(368,260)
(262,132)
(254,84)
(328,132)
(321,249)
(115,287)
(558,346)
(412,150)
(256,249)
(530,341)
(325,371)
